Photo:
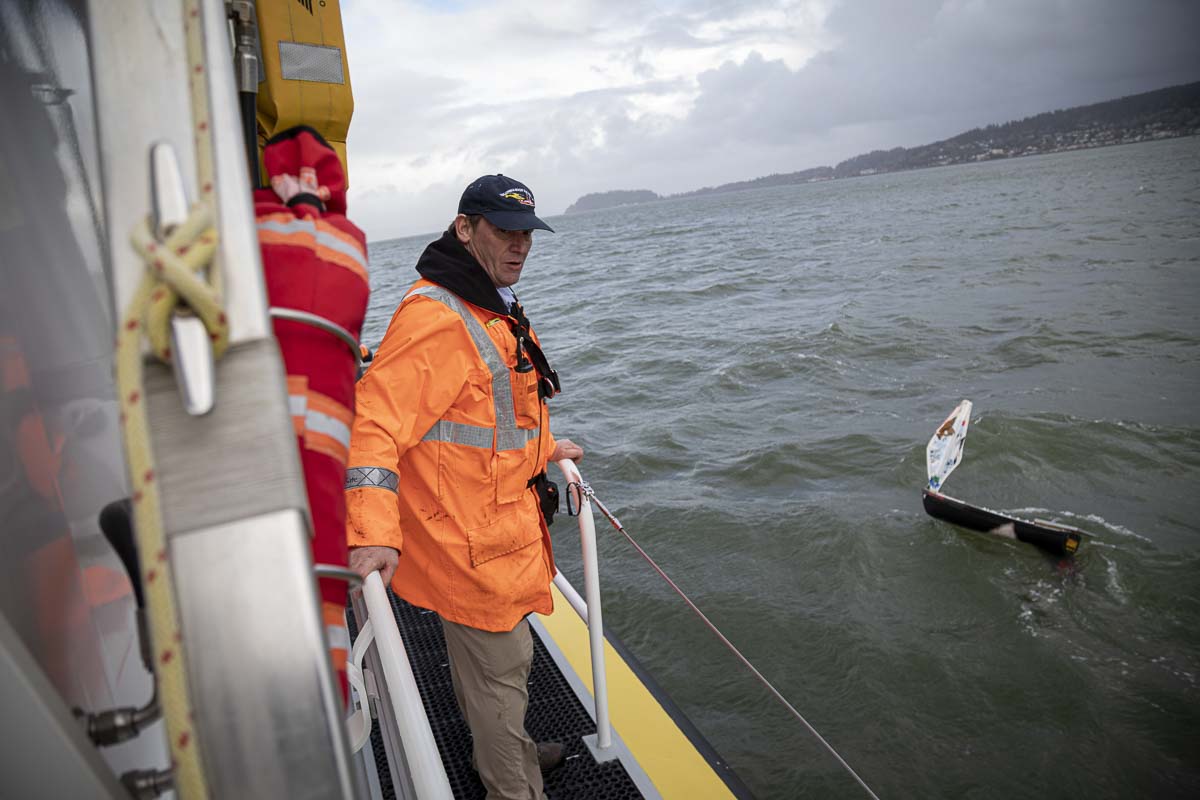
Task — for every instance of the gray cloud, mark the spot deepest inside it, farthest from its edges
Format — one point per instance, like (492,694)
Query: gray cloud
(886,74)
(391,115)
(967,63)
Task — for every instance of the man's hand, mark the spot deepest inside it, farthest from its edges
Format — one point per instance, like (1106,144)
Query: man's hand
(565,448)
(365,560)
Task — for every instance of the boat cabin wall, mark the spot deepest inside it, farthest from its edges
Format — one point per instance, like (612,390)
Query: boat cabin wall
(63,590)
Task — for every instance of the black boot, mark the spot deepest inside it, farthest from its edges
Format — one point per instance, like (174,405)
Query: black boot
(550,756)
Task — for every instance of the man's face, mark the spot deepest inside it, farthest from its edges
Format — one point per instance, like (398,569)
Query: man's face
(501,253)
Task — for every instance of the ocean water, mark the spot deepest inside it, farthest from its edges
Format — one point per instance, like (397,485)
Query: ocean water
(754,377)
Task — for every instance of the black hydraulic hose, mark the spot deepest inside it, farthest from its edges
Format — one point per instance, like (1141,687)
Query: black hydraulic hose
(121,724)
(248,102)
(245,54)
(116,523)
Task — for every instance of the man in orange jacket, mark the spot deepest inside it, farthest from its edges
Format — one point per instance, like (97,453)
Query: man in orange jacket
(451,435)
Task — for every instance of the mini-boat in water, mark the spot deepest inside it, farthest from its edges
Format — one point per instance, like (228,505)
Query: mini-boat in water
(943,453)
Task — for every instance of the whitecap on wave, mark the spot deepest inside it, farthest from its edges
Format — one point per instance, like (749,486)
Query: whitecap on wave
(1084,521)
(1114,581)
(1035,606)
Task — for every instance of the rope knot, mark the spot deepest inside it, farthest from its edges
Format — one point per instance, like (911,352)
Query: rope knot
(179,276)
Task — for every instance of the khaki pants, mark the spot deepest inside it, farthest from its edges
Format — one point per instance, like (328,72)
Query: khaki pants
(490,672)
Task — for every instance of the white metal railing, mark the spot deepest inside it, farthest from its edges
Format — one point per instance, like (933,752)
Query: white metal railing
(573,597)
(421,753)
(589,609)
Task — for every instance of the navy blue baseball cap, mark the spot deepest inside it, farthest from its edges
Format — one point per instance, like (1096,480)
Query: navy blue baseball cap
(504,202)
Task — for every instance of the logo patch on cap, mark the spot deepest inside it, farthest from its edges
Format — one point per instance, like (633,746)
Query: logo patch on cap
(522,196)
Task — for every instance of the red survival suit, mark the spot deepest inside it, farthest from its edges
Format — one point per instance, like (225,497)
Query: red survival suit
(315,260)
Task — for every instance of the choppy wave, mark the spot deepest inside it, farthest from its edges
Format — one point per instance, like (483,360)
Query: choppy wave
(755,399)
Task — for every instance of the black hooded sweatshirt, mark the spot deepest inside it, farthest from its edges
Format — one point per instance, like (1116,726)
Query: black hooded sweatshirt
(447,263)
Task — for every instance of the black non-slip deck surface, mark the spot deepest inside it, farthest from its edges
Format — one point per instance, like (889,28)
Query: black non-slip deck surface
(555,715)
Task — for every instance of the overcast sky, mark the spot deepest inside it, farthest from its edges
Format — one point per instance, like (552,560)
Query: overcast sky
(578,96)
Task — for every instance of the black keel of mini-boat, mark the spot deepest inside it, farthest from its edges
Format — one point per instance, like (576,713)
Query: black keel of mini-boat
(1059,540)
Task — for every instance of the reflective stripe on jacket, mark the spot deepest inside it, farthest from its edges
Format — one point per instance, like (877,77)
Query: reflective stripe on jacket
(446,438)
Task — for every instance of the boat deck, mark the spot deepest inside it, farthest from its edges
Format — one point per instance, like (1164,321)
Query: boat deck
(555,715)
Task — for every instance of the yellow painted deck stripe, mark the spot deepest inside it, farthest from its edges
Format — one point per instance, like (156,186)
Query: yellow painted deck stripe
(667,756)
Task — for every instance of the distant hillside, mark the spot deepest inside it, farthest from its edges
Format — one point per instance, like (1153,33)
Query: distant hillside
(774,179)
(1161,114)
(619,197)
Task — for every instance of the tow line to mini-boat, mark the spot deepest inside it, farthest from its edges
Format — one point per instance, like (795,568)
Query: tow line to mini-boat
(586,490)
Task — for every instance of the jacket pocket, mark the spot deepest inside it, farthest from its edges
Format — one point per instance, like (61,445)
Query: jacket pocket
(504,534)
(527,407)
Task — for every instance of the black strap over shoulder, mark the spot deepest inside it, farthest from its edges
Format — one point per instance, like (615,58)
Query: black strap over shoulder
(548,385)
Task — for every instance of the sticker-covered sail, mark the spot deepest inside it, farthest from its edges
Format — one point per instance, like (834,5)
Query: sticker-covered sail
(945,448)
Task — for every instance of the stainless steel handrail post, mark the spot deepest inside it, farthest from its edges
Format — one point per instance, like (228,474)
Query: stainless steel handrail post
(319,322)
(420,750)
(338,573)
(592,614)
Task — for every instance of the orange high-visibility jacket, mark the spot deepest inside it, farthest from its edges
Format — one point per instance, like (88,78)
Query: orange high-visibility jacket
(446,438)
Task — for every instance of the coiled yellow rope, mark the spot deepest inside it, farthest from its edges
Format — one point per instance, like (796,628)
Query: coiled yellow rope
(177,270)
